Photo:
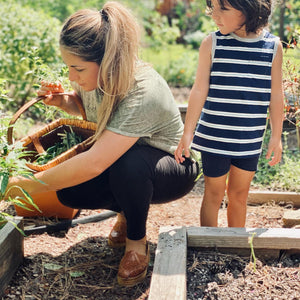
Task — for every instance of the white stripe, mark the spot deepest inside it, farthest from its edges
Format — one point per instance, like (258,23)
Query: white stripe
(241,75)
(242,62)
(230,127)
(229,37)
(238,101)
(228,140)
(239,88)
(225,152)
(245,49)
(232,114)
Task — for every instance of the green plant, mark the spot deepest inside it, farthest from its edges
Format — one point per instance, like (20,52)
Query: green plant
(180,72)
(195,38)
(291,84)
(12,164)
(283,176)
(28,40)
(67,141)
(250,241)
(158,32)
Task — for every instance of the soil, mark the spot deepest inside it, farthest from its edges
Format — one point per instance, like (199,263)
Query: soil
(78,264)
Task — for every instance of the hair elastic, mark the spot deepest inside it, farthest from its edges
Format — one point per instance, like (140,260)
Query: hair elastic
(103,14)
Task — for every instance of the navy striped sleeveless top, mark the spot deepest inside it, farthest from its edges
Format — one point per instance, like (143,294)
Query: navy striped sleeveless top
(233,118)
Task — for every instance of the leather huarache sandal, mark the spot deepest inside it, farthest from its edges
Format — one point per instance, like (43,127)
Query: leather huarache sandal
(117,236)
(133,267)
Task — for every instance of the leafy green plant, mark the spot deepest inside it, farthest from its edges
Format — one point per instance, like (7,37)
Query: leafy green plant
(180,72)
(158,32)
(28,39)
(291,83)
(12,164)
(67,141)
(283,176)
(195,38)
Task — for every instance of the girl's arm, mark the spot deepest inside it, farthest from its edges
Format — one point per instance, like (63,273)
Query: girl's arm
(80,168)
(276,109)
(197,98)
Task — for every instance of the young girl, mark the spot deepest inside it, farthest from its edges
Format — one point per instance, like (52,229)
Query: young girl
(239,77)
(131,163)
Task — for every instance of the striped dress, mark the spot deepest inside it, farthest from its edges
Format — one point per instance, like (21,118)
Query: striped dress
(233,119)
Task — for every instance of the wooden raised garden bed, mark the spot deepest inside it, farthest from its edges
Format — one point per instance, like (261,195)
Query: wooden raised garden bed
(169,272)
(11,252)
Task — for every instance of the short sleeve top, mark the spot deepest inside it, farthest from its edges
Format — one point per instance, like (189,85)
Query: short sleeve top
(149,111)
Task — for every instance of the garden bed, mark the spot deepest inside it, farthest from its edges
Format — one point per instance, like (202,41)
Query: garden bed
(214,275)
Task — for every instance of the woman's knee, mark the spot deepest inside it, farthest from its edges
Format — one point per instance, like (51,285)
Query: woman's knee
(129,167)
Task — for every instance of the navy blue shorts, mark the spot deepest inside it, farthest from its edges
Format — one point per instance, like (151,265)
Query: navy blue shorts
(216,166)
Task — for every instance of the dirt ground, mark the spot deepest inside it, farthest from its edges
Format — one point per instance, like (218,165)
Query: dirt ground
(78,264)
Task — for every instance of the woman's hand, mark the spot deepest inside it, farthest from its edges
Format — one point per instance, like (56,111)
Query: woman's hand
(48,91)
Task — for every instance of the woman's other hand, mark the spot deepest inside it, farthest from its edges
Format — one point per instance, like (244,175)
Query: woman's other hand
(48,91)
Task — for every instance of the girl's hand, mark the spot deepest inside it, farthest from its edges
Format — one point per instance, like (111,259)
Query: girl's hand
(275,148)
(48,91)
(183,147)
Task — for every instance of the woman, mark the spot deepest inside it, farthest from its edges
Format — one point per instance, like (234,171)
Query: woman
(130,164)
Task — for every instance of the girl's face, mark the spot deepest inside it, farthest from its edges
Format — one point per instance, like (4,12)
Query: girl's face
(228,19)
(84,73)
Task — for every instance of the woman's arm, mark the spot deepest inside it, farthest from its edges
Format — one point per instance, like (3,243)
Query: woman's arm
(197,99)
(276,109)
(80,168)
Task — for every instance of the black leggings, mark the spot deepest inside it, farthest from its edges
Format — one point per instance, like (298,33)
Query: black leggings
(143,175)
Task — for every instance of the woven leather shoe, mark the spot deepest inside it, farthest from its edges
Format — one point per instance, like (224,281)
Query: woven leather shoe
(117,236)
(133,267)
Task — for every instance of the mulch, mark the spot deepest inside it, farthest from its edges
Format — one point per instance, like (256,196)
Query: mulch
(78,264)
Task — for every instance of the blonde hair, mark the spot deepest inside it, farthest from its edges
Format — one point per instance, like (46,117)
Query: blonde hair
(109,37)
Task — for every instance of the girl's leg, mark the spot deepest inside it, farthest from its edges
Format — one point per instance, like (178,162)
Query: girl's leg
(237,192)
(213,195)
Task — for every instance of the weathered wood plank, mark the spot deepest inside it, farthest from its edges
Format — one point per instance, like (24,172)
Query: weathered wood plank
(291,218)
(261,197)
(273,238)
(11,252)
(169,273)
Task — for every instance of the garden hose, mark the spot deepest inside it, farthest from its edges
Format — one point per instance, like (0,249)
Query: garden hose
(65,225)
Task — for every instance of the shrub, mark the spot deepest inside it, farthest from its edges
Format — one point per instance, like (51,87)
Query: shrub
(283,176)
(28,39)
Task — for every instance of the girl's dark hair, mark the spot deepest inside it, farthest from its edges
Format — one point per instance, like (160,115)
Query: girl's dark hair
(256,12)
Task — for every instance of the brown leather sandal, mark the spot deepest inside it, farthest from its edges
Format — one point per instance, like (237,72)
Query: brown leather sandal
(133,267)
(117,236)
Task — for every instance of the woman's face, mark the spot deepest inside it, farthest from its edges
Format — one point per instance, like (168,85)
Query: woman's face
(84,73)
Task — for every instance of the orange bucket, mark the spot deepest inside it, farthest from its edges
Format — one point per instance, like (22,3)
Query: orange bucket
(49,206)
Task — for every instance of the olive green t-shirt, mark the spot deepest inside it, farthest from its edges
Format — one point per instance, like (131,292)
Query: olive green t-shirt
(149,111)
